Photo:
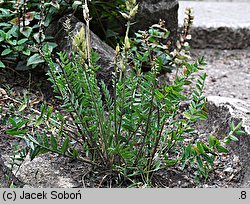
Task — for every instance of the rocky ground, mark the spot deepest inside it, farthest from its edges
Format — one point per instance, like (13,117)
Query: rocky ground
(228,75)
(228,72)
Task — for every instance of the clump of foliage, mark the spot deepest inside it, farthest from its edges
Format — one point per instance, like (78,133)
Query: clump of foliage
(142,127)
(22,26)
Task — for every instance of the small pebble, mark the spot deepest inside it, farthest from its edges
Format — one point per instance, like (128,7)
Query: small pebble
(236,159)
(228,170)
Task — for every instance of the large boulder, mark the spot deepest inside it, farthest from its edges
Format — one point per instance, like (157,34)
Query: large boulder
(151,11)
(222,111)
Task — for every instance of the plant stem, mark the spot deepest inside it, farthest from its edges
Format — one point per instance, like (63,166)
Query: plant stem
(122,79)
(87,20)
(146,130)
(41,24)
(115,97)
(100,116)
(157,140)
(90,141)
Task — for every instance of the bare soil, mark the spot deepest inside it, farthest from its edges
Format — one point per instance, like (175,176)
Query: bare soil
(228,75)
(228,72)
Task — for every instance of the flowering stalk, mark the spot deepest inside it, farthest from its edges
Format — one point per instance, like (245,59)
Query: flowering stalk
(87,20)
(182,42)
(41,24)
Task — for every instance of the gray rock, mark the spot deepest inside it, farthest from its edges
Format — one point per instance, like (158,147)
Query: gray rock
(222,111)
(236,108)
(7,177)
(220,38)
(151,11)
(42,173)
(45,171)
(223,25)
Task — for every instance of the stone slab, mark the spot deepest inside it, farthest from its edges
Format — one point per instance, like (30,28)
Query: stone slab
(222,111)
(224,25)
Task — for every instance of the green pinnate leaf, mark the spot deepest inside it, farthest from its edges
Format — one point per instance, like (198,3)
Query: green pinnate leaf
(240,132)
(53,141)
(233,138)
(211,141)
(45,140)
(65,145)
(222,149)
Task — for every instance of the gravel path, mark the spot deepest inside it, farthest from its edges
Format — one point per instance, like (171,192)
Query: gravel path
(228,72)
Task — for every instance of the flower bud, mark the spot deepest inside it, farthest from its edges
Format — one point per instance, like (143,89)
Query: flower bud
(128,5)
(122,65)
(133,11)
(182,39)
(184,70)
(178,44)
(126,42)
(117,49)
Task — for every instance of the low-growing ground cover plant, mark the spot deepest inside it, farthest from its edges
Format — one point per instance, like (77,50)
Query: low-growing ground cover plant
(139,129)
